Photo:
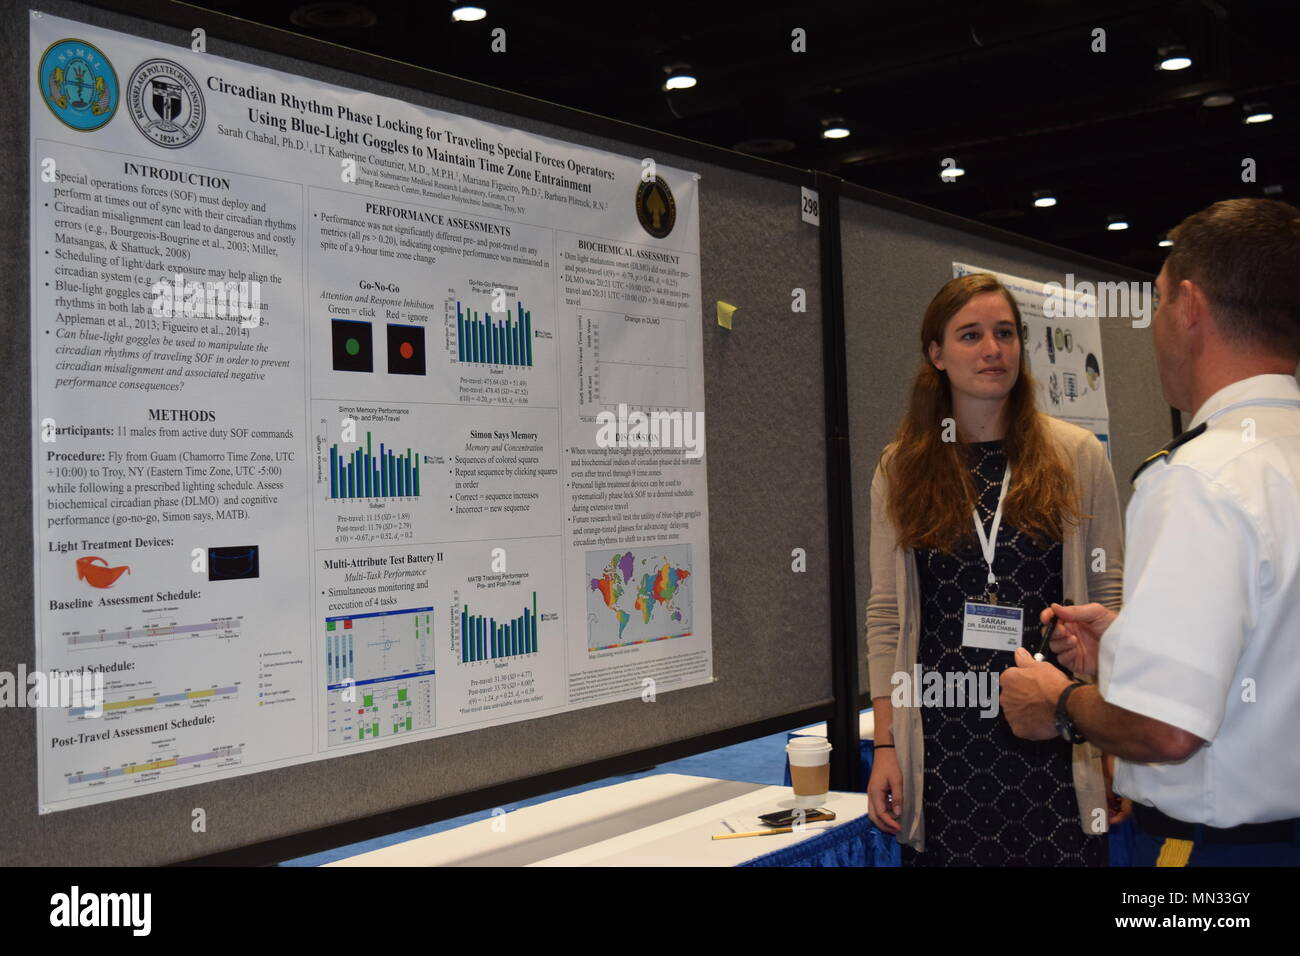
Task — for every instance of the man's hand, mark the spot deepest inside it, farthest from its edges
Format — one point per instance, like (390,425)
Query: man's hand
(1077,637)
(1120,808)
(1028,696)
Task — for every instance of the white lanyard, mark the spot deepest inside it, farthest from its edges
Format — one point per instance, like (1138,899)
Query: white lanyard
(989,543)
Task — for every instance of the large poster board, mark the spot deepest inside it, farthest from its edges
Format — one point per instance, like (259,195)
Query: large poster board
(360,422)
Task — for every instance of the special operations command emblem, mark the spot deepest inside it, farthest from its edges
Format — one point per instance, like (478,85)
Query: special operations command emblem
(165,103)
(656,209)
(78,84)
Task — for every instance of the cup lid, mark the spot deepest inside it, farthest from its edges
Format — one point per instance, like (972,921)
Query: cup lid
(813,744)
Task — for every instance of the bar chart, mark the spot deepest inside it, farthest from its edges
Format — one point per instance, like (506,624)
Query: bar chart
(491,341)
(364,474)
(484,637)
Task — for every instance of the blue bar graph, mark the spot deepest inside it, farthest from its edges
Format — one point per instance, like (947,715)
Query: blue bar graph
(363,474)
(483,638)
(489,341)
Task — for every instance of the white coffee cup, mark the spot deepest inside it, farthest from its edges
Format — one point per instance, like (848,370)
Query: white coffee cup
(810,770)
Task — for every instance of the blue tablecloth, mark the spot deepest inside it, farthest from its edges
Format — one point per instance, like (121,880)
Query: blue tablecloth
(865,844)
(853,843)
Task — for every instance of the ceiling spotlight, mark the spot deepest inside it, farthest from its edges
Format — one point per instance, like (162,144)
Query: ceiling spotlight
(1218,99)
(833,128)
(1174,57)
(680,77)
(1256,113)
(949,174)
(1043,199)
(467,14)
(1116,223)
(1165,242)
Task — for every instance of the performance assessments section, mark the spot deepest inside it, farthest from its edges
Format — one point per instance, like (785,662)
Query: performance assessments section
(337,440)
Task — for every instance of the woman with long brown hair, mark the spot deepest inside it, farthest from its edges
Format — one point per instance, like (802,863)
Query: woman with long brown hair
(983,512)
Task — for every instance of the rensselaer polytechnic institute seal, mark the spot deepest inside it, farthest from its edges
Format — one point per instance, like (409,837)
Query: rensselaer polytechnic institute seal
(165,103)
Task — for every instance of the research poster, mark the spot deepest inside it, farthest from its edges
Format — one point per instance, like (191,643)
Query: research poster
(1062,342)
(356,423)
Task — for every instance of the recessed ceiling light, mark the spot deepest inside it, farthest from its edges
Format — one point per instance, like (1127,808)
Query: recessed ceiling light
(680,77)
(1165,242)
(1256,113)
(467,14)
(1174,57)
(1116,223)
(950,174)
(1218,99)
(1043,199)
(834,127)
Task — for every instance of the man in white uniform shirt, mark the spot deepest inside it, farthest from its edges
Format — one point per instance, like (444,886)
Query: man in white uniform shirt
(1198,689)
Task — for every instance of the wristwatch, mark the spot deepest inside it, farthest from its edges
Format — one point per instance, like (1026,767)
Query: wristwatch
(1064,725)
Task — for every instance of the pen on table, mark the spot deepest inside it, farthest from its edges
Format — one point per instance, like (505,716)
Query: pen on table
(826,817)
(732,836)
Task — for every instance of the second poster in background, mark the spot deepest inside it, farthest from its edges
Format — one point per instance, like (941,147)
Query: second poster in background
(1062,341)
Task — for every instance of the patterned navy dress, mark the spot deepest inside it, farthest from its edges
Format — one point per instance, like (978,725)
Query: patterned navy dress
(990,798)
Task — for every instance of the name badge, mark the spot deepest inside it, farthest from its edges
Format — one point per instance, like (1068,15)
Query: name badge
(992,627)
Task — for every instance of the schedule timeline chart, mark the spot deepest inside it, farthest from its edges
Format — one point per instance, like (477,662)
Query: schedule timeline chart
(482,638)
(221,756)
(363,474)
(506,341)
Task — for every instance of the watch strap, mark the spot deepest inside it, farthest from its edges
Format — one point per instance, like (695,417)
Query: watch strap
(1063,722)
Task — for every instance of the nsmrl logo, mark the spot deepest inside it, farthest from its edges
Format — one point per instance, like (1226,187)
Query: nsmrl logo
(78,84)
(166,103)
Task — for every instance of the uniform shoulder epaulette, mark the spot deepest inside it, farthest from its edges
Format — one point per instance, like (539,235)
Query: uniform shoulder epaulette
(1168,449)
